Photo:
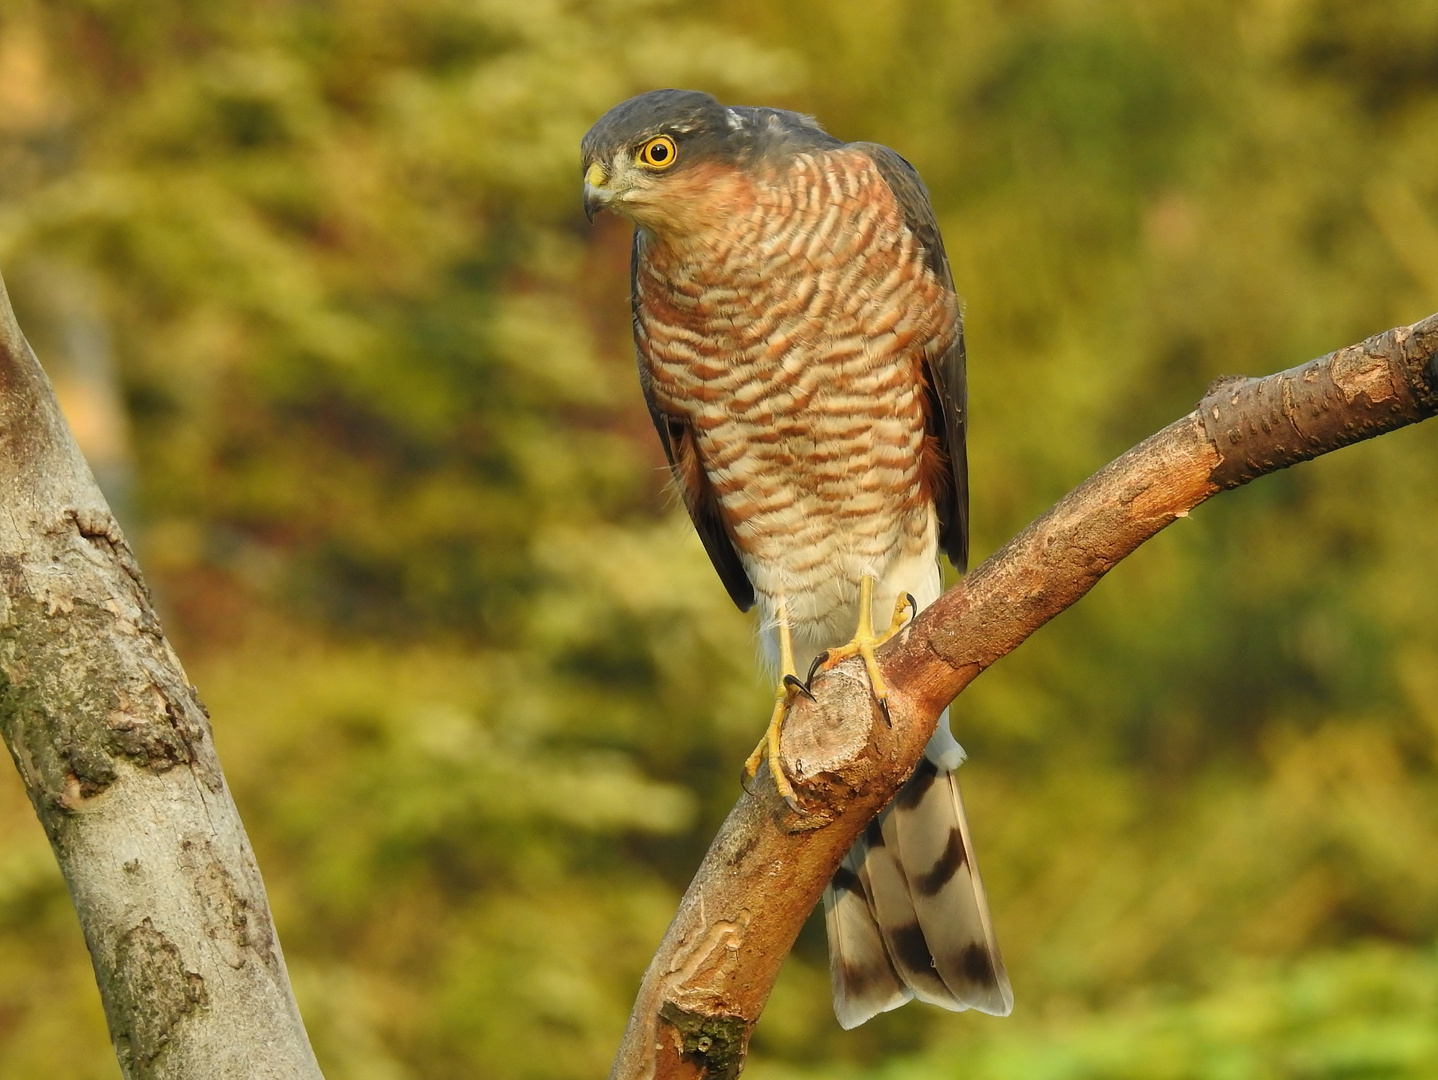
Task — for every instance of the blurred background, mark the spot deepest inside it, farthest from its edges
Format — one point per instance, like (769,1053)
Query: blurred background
(314,285)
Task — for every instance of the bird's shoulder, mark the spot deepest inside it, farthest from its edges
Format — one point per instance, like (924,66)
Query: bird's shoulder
(912,196)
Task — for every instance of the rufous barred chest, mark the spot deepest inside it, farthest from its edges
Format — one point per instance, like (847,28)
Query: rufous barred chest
(787,320)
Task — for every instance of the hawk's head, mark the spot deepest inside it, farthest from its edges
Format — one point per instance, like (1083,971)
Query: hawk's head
(671,159)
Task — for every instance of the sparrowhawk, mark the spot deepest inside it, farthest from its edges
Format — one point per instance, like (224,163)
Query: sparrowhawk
(801,352)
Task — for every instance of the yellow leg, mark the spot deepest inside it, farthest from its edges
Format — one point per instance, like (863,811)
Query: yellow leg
(789,685)
(866,641)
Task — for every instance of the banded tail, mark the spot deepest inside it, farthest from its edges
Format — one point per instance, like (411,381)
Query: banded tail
(906,913)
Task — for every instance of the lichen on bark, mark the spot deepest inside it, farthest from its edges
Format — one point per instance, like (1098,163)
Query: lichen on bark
(716,1044)
(153,993)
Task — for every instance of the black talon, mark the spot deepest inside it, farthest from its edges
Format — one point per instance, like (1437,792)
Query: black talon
(913,605)
(792,681)
(884,708)
(744,779)
(814,668)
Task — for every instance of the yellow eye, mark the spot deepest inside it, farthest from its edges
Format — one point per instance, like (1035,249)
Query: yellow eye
(658,153)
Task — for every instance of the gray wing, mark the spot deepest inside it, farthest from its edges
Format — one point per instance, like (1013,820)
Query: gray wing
(681,450)
(947,374)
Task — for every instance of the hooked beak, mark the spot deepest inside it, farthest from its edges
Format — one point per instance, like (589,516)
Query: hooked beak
(596,194)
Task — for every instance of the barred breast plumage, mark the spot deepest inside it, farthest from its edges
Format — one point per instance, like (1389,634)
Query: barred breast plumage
(791,335)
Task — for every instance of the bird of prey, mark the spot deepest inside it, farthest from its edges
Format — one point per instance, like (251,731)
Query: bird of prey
(801,351)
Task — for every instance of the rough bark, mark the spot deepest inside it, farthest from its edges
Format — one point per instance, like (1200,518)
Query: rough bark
(116,753)
(705,988)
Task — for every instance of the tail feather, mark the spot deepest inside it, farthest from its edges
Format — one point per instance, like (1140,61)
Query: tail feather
(911,886)
(858,959)
(892,909)
(948,895)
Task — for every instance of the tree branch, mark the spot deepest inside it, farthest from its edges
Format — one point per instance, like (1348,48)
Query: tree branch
(115,750)
(707,984)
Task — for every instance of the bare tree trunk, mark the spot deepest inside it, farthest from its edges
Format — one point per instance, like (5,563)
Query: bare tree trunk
(116,753)
(708,983)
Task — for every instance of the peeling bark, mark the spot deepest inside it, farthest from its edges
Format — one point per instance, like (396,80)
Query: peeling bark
(768,866)
(114,747)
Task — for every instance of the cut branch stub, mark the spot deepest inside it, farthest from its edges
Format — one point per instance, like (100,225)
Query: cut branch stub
(767,866)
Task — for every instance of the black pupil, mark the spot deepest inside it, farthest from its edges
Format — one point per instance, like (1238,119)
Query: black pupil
(658,152)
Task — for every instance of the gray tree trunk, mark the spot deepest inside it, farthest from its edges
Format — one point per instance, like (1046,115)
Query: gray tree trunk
(115,750)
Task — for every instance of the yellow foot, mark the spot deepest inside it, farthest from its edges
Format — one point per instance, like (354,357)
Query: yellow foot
(866,641)
(769,744)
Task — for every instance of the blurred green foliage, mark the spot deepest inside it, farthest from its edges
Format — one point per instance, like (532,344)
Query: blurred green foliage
(479,695)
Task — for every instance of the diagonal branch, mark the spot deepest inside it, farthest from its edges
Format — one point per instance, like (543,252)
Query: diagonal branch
(708,983)
(115,750)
